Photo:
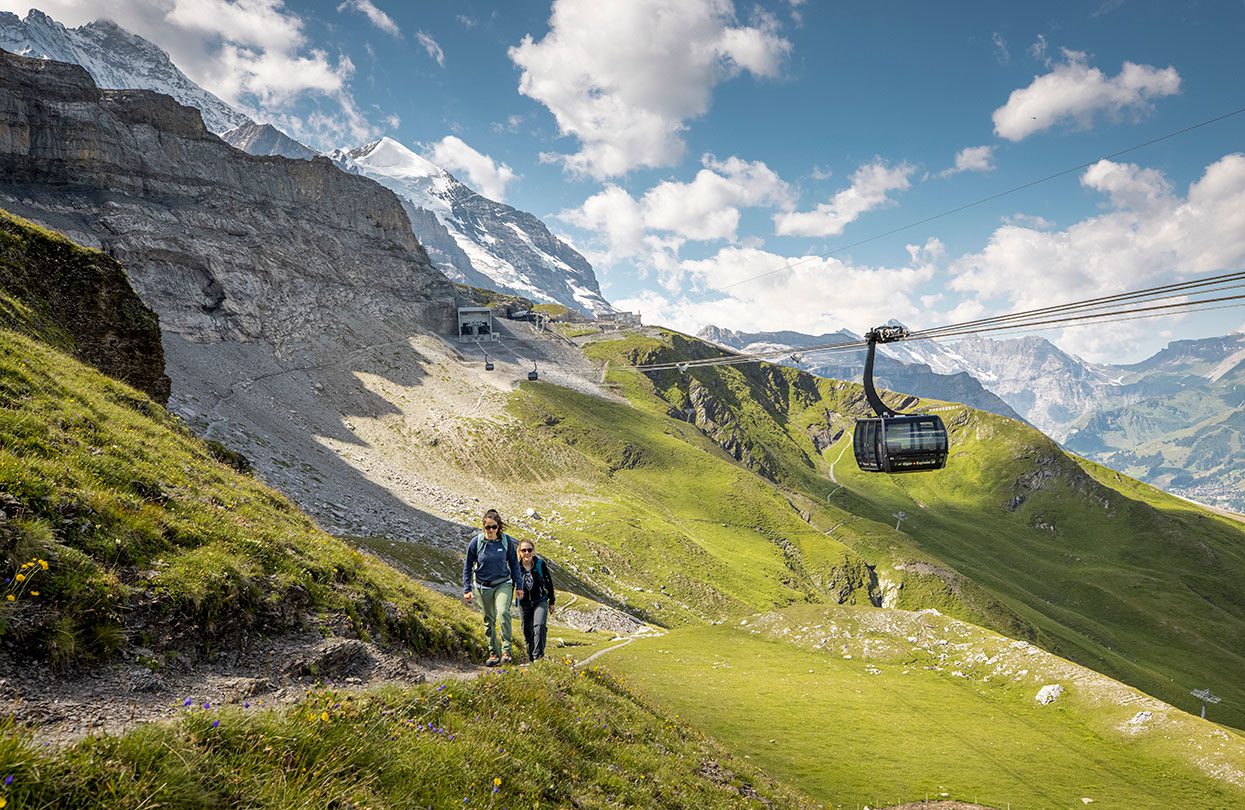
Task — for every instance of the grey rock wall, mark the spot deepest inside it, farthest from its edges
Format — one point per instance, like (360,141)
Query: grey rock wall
(225,246)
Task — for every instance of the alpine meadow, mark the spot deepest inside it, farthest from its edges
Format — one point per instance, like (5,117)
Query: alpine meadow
(847,453)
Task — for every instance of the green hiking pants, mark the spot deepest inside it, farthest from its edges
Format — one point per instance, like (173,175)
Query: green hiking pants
(496,604)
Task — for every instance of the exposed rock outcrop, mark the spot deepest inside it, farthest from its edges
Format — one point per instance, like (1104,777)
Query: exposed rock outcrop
(79,301)
(224,245)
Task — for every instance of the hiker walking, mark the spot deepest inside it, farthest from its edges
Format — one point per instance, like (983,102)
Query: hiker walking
(536,599)
(492,560)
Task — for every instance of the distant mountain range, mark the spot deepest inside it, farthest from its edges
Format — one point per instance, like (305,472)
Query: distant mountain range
(896,368)
(469,237)
(1174,420)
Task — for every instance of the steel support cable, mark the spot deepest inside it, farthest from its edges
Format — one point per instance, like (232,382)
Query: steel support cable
(1161,292)
(957,330)
(991,198)
(1164,291)
(1023,329)
(1089,319)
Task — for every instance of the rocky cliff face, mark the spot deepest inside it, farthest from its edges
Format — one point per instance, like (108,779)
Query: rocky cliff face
(281,285)
(115,58)
(225,246)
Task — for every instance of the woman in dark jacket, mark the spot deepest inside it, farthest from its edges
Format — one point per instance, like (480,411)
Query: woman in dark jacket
(536,599)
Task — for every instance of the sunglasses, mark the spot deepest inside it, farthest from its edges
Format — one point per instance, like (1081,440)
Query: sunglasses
(526,550)
(488,526)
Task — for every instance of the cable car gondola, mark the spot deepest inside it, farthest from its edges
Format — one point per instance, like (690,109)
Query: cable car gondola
(896,442)
(533,375)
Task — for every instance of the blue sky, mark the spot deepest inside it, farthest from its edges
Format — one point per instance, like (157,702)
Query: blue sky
(687,145)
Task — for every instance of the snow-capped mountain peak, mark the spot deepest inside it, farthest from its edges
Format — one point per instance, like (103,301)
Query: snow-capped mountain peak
(473,239)
(265,139)
(116,59)
(392,158)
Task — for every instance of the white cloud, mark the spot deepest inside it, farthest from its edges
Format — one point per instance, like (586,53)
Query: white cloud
(1074,92)
(431,47)
(971,159)
(1148,235)
(1029,221)
(653,228)
(483,173)
(378,18)
(870,187)
(708,207)
(254,54)
(815,295)
(624,78)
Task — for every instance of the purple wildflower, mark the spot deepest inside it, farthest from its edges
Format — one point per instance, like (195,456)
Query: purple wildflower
(215,723)
(207,705)
(246,704)
(8,780)
(441,688)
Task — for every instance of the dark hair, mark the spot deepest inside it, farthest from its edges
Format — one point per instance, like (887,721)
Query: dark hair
(492,513)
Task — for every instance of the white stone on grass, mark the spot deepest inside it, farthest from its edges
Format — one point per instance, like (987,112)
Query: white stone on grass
(1049,694)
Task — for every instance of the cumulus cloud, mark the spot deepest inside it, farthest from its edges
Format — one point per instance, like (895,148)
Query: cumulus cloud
(670,213)
(1073,92)
(870,189)
(254,54)
(624,78)
(708,206)
(1149,234)
(431,48)
(484,174)
(815,295)
(971,159)
(377,17)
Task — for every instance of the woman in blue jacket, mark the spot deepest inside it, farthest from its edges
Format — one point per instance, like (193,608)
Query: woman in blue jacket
(492,560)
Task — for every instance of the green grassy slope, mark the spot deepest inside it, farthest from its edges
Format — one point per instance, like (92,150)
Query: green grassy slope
(1014,534)
(542,737)
(118,527)
(864,706)
(141,527)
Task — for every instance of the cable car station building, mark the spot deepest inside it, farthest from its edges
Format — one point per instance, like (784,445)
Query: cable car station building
(475,323)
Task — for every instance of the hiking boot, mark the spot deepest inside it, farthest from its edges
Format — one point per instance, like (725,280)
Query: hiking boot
(506,659)
(492,661)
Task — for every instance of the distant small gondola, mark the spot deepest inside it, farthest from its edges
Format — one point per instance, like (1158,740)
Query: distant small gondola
(533,375)
(896,442)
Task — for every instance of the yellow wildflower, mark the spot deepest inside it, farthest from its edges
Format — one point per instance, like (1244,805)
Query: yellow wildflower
(34,593)
(4,802)
(21,577)
(43,564)
(497,781)
(10,597)
(324,716)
